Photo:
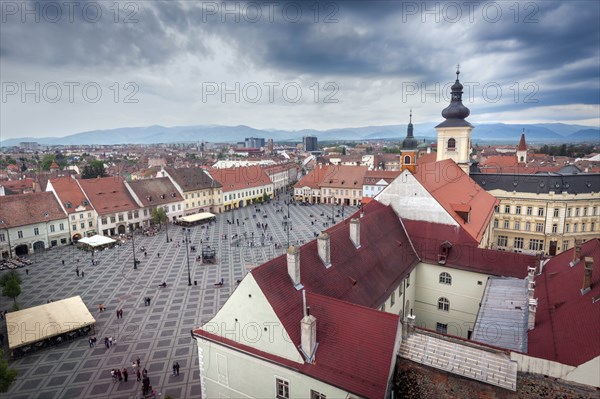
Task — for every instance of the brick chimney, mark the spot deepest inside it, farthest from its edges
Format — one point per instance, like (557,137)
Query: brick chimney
(587,275)
(308,332)
(576,253)
(532,308)
(530,273)
(530,289)
(323,245)
(293,266)
(355,232)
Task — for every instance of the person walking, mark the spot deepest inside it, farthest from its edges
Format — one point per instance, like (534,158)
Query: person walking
(177,368)
(125,374)
(138,374)
(27,271)
(137,361)
(117,313)
(82,274)
(63,262)
(119,375)
(77,271)
(174,369)
(110,340)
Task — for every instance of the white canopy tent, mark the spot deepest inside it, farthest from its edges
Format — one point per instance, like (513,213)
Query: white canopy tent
(196,218)
(41,322)
(96,241)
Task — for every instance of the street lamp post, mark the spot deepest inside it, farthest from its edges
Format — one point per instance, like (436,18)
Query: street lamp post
(186,235)
(332,210)
(167,228)
(135,262)
(289,222)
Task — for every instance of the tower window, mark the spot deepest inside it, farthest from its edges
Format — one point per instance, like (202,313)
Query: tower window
(451,144)
(407,160)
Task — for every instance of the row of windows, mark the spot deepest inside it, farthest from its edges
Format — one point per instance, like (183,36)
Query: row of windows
(36,231)
(534,243)
(556,211)
(121,217)
(89,215)
(247,194)
(539,227)
(282,389)
(90,224)
(330,192)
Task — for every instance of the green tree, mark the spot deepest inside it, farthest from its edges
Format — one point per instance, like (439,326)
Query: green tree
(159,216)
(7,375)
(265,197)
(10,275)
(47,161)
(12,289)
(93,170)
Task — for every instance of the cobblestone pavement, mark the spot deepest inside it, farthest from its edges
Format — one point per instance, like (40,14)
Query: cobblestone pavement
(158,334)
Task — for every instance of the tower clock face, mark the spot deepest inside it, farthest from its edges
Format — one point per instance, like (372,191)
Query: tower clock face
(456,96)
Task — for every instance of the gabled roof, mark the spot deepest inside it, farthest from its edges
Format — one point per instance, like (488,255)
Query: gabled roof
(232,179)
(464,254)
(364,276)
(344,176)
(344,358)
(313,178)
(567,324)
(24,209)
(154,192)
(70,194)
(17,186)
(191,179)
(450,185)
(108,195)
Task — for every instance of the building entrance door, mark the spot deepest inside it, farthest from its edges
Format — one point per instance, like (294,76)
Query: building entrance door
(552,249)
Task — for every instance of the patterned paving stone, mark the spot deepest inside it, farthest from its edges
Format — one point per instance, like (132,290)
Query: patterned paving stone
(160,333)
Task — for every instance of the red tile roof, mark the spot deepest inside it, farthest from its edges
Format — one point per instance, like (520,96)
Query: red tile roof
(313,178)
(344,176)
(68,191)
(449,185)
(499,161)
(344,358)
(373,176)
(18,186)
(108,195)
(427,238)
(423,159)
(239,178)
(522,145)
(567,324)
(191,179)
(364,276)
(24,209)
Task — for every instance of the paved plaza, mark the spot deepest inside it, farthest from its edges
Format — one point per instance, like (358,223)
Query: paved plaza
(158,334)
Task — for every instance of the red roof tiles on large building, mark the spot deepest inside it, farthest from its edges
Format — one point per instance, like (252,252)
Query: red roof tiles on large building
(23,209)
(356,344)
(567,324)
(450,186)
(108,195)
(233,179)
(70,194)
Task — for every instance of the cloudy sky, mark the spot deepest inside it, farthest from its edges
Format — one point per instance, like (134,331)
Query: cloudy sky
(86,65)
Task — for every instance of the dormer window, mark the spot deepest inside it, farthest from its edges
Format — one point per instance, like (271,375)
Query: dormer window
(68,205)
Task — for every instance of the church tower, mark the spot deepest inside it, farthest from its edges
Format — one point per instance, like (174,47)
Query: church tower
(522,149)
(408,152)
(454,134)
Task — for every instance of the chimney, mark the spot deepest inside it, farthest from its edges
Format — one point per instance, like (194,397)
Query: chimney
(355,232)
(323,245)
(293,266)
(587,275)
(308,332)
(532,308)
(576,253)
(530,273)
(530,289)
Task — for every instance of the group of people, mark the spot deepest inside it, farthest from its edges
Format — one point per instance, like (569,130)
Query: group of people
(176,369)
(77,271)
(119,313)
(109,341)
(147,300)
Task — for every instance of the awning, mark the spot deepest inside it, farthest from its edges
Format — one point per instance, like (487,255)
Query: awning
(197,217)
(45,321)
(96,241)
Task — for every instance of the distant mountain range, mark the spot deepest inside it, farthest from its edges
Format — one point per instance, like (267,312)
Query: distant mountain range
(496,133)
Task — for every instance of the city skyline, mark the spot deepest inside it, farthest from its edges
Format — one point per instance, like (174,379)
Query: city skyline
(293,65)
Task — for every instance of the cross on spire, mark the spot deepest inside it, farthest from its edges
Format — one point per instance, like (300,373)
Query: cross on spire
(457,70)
(410,116)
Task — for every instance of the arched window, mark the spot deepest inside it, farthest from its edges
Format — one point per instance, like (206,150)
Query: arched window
(445,278)
(522,159)
(451,144)
(444,304)
(407,160)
